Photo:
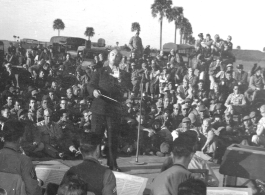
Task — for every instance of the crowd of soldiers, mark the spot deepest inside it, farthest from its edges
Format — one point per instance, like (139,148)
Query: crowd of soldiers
(205,95)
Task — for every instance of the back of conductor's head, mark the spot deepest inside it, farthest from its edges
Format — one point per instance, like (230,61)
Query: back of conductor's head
(90,145)
(13,130)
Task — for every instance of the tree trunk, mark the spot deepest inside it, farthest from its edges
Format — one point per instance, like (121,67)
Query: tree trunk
(58,32)
(161,24)
(175,34)
(180,38)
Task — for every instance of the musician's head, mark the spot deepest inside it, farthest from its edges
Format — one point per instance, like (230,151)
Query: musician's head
(115,57)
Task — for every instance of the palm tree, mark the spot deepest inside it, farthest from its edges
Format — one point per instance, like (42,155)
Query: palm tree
(17,38)
(14,36)
(136,27)
(186,30)
(238,47)
(58,25)
(117,44)
(176,15)
(163,9)
(89,32)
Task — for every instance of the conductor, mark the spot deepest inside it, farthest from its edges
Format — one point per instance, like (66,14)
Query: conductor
(108,85)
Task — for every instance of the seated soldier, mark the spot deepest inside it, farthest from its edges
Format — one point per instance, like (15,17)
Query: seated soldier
(44,106)
(98,179)
(185,126)
(167,182)
(32,113)
(56,142)
(259,139)
(235,102)
(86,119)
(182,91)
(247,131)
(165,120)
(241,77)
(207,43)
(215,97)
(256,84)
(159,108)
(191,78)
(16,108)
(9,102)
(13,162)
(217,46)
(145,138)
(254,119)
(176,116)
(207,137)
(30,143)
(201,93)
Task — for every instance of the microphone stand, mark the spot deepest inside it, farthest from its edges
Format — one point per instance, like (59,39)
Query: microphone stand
(136,162)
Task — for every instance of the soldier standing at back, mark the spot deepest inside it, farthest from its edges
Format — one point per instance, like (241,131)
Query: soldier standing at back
(136,45)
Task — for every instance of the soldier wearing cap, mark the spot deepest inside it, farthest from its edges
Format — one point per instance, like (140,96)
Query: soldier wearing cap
(241,77)
(185,126)
(55,144)
(248,128)
(256,84)
(259,139)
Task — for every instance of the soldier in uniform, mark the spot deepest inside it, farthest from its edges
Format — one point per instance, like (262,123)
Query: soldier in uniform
(98,179)
(259,139)
(136,45)
(56,142)
(13,162)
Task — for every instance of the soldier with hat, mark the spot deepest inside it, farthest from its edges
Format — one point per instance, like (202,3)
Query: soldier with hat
(256,83)
(248,128)
(241,77)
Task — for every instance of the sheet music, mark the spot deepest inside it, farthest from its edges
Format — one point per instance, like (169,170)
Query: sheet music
(48,175)
(129,184)
(228,191)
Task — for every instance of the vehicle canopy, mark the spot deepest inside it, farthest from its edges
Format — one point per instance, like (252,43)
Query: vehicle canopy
(181,48)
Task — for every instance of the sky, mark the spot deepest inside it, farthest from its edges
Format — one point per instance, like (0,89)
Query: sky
(112,19)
